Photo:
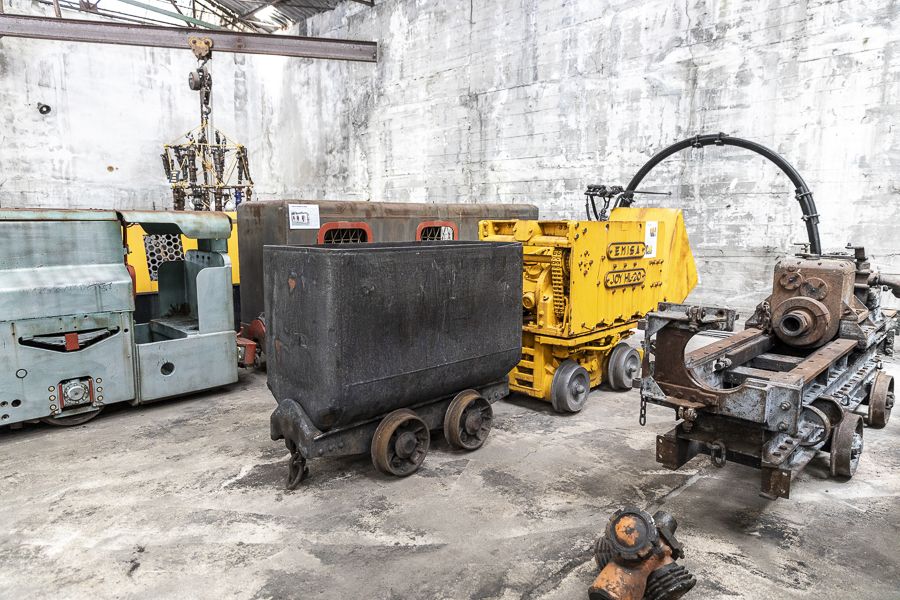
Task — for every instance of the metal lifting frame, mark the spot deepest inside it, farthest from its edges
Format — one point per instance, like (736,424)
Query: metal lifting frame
(71,30)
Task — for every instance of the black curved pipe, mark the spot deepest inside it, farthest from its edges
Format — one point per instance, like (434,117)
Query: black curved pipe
(803,194)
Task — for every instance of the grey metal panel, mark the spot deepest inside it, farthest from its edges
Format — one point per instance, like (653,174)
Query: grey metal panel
(172,293)
(72,30)
(56,214)
(109,361)
(193,224)
(64,290)
(46,243)
(215,301)
(196,261)
(191,369)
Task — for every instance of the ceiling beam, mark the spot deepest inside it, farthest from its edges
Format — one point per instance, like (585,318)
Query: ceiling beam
(71,30)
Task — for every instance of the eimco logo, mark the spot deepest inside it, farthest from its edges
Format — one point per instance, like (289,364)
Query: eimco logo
(625,278)
(626,250)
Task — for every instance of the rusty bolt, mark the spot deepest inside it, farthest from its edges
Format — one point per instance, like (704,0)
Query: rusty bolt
(785,405)
(782,426)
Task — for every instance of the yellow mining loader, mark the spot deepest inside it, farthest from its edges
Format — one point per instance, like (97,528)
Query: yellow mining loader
(585,286)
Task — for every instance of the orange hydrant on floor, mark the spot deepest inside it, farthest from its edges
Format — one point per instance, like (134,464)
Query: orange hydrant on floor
(636,555)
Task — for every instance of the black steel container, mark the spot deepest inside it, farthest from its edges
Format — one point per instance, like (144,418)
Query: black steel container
(357,331)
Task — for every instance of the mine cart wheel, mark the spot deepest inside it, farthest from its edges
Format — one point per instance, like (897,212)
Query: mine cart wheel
(71,420)
(570,387)
(846,446)
(468,420)
(881,400)
(400,443)
(624,366)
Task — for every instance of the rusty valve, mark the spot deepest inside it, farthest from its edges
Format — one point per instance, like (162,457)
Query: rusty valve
(636,555)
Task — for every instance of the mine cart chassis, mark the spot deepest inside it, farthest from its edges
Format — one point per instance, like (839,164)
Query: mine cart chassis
(770,410)
(465,417)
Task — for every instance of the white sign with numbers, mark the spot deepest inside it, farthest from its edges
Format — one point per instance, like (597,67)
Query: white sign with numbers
(303,216)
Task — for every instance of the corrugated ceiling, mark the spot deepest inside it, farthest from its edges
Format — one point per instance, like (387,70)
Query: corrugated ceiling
(275,14)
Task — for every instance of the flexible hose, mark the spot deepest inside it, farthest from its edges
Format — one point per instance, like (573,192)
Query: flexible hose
(803,194)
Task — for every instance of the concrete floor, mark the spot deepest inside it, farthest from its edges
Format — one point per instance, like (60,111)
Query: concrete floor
(184,499)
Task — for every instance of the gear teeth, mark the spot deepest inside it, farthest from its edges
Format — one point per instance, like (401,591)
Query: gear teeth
(603,552)
(669,583)
(556,277)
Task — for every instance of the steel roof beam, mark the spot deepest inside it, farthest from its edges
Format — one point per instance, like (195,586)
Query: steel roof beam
(71,30)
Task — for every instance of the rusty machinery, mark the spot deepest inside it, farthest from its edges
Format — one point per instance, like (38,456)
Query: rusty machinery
(585,286)
(205,169)
(636,556)
(803,377)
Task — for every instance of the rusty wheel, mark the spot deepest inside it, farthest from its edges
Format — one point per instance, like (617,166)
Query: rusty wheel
(623,367)
(400,443)
(468,420)
(881,400)
(846,446)
(72,420)
(570,387)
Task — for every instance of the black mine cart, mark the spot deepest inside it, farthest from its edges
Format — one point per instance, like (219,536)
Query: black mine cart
(372,346)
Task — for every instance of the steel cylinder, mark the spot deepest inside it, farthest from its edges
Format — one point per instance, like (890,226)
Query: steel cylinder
(795,323)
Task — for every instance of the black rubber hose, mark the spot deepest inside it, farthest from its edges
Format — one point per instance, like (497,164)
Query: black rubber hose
(803,194)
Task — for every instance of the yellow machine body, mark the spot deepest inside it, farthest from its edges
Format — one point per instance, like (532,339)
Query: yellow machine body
(145,266)
(587,283)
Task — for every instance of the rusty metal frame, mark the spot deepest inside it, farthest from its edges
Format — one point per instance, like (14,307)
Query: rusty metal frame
(73,30)
(748,398)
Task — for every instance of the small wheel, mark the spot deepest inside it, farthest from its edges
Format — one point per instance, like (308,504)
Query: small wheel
(570,387)
(71,420)
(468,420)
(881,400)
(846,446)
(623,367)
(400,443)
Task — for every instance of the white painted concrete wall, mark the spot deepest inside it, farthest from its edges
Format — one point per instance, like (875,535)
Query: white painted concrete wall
(511,101)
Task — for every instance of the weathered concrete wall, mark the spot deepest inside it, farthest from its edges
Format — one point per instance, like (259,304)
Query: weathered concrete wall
(112,109)
(530,100)
(512,101)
